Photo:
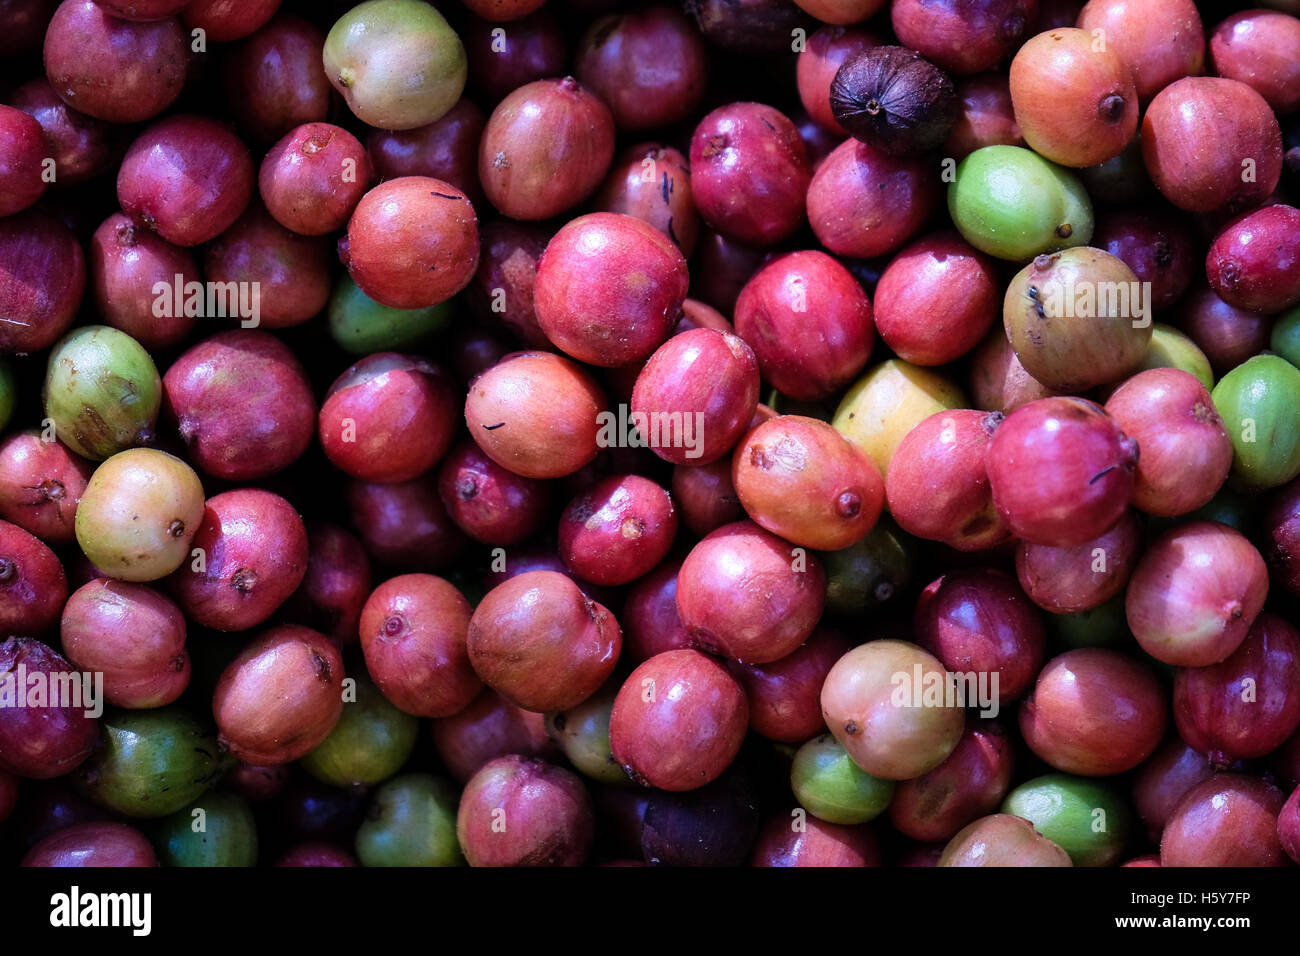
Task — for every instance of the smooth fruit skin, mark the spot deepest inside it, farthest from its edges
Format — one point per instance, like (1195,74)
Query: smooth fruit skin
(1254,264)
(1195,593)
(1172,348)
(228,836)
(703,371)
(966,786)
(1011,203)
(960,35)
(1162,40)
(869,574)
(126,262)
(253,554)
(489,503)
(957,289)
(274,80)
(1002,840)
(189,178)
(1156,242)
(411,822)
(446,149)
(809,323)
(582,733)
(1261,48)
(652,182)
(864,203)
(1081,464)
(1198,136)
(242,404)
(40,742)
(649,65)
(397,63)
(1257,401)
(1229,820)
(546,811)
(938,485)
(131,634)
(1247,705)
(489,727)
(291,273)
(140,482)
(1094,712)
(540,642)
(413,630)
(1075,578)
(23,146)
(361,326)
(1288,826)
(546,148)
(227,20)
(336,585)
(749,173)
(1179,468)
(370,743)
(745,594)
(1162,779)
(977,619)
(102,392)
(1076,104)
(535,414)
(280,697)
(785,842)
(678,721)
(985,116)
(152,762)
(93,844)
(833,788)
(33,585)
(1281,541)
(41,483)
(891,706)
(113,69)
(1077,319)
(313,178)
(412,242)
(802,480)
(609,288)
(35,243)
(884,405)
(785,696)
(389,418)
(617,530)
(1086,818)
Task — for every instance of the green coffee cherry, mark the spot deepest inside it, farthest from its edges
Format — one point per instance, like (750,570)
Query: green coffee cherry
(1088,819)
(1258,402)
(152,762)
(1170,348)
(866,575)
(102,391)
(218,829)
(370,743)
(1285,340)
(398,63)
(1011,203)
(833,788)
(582,732)
(412,822)
(362,326)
